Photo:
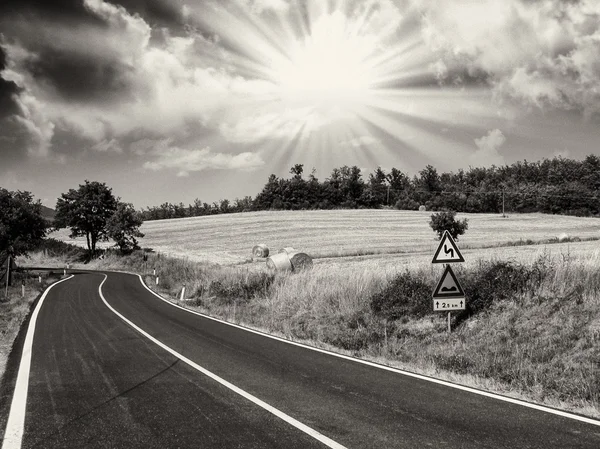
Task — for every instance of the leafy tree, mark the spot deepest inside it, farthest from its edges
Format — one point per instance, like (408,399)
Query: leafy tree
(124,226)
(22,226)
(445,221)
(86,211)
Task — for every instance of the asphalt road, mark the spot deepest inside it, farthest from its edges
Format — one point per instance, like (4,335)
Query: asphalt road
(192,382)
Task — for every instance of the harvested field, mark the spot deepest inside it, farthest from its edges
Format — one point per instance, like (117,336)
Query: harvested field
(229,239)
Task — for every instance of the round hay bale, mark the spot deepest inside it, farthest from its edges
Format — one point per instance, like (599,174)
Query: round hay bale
(286,250)
(300,261)
(280,262)
(422,208)
(260,251)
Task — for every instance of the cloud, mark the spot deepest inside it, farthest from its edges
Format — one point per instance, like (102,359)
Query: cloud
(106,145)
(543,54)
(107,79)
(185,161)
(487,149)
(288,124)
(362,141)
(260,6)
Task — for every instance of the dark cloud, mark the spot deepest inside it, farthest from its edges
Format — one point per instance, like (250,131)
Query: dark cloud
(161,13)
(65,10)
(166,13)
(81,77)
(8,89)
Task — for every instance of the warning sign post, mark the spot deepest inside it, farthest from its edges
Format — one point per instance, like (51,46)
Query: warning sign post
(448,295)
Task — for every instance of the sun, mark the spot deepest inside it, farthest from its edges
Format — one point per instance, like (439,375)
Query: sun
(329,67)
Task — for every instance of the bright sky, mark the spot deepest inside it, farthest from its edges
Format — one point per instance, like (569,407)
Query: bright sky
(169,100)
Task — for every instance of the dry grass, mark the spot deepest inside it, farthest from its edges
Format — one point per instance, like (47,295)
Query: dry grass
(229,239)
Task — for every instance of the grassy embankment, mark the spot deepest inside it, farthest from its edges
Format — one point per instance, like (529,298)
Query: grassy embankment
(534,327)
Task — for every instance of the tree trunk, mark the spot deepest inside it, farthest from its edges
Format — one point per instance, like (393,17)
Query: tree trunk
(94,238)
(87,236)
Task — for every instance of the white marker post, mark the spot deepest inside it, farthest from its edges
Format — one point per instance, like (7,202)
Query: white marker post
(182,298)
(156,280)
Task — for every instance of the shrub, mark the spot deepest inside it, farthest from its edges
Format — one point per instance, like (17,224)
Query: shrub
(445,221)
(495,281)
(407,295)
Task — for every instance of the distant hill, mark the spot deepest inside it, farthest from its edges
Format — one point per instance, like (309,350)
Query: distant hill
(48,213)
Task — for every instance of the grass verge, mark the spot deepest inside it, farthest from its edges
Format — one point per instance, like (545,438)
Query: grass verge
(15,308)
(532,330)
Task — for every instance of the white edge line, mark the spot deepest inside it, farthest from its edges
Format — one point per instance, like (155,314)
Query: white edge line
(13,435)
(386,368)
(297,424)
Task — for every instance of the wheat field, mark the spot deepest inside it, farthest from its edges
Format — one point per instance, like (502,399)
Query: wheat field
(350,235)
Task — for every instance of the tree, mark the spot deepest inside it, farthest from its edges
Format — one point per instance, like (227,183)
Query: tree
(22,226)
(86,211)
(445,221)
(124,226)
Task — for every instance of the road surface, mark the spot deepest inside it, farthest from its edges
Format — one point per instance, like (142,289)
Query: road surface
(114,366)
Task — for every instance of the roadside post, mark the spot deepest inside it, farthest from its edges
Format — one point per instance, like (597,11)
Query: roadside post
(22,288)
(448,295)
(182,293)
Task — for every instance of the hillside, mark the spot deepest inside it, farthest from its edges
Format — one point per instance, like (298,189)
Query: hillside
(229,238)
(48,213)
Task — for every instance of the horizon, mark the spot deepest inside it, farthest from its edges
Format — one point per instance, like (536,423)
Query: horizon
(170,101)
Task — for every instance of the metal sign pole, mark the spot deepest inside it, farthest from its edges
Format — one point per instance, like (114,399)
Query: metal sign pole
(449,313)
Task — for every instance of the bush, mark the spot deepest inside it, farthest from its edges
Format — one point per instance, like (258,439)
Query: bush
(445,221)
(407,295)
(493,282)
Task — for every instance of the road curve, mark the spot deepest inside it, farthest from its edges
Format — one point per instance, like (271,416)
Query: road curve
(96,381)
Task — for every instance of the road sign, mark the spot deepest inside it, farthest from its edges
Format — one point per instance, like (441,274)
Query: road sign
(448,286)
(447,251)
(446,305)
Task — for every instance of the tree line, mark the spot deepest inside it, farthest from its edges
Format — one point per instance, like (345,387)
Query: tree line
(556,186)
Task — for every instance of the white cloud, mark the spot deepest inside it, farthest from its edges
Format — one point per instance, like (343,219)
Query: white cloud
(541,54)
(361,141)
(487,149)
(288,124)
(106,145)
(185,161)
(260,6)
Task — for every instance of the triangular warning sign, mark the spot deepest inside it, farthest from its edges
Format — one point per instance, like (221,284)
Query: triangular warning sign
(447,252)
(448,286)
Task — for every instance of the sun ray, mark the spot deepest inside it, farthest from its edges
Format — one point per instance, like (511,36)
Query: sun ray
(337,72)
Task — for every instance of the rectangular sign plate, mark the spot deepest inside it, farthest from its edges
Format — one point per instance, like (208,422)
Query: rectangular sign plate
(445,305)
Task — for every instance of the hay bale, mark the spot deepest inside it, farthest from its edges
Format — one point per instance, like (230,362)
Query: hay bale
(286,250)
(300,261)
(260,251)
(280,262)
(422,208)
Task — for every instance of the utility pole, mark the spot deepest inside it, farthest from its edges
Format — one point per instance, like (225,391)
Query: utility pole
(388,195)
(503,216)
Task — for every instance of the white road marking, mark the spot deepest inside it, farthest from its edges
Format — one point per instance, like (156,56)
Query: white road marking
(13,435)
(297,424)
(542,408)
